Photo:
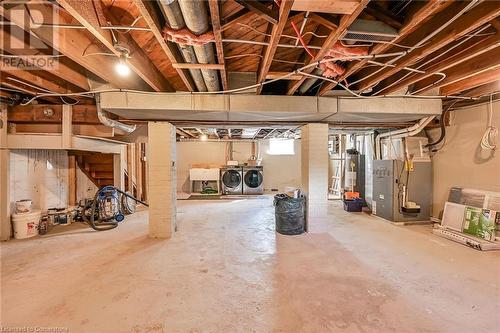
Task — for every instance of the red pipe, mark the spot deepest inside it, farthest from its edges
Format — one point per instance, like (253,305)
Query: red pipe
(304,45)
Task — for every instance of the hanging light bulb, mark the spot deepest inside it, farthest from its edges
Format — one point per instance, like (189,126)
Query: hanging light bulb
(203,137)
(122,67)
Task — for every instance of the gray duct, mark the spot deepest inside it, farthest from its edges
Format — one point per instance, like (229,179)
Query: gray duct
(173,15)
(196,17)
(308,83)
(110,122)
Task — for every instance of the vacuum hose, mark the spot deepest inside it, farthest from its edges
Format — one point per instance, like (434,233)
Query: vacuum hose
(97,220)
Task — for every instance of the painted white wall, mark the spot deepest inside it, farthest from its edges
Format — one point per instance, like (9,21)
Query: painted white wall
(462,162)
(279,170)
(39,175)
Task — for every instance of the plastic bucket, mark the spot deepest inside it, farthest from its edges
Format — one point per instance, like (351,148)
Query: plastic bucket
(23,206)
(26,225)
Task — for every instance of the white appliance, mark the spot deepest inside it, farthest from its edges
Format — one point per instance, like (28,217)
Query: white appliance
(231,179)
(253,180)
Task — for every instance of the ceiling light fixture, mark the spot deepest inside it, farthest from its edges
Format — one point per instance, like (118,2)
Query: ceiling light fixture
(203,137)
(122,67)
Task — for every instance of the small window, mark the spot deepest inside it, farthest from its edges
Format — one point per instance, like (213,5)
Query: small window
(281,147)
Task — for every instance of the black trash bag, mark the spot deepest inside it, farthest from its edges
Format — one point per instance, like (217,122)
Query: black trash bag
(289,214)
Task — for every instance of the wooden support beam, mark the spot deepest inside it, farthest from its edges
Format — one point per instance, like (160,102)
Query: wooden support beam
(138,170)
(421,14)
(332,38)
(476,49)
(474,18)
(67,126)
(5,230)
(150,15)
(484,90)
(119,169)
(327,20)
(90,14)
(72,180)
(27,53)
(471,82)
(482,63)
(230,20)
(380,13)
(216,27)
(130,167)
(275,75)
(220,67)
(52,114)
(30,78)
(261,9)
(270,51)
(70,42)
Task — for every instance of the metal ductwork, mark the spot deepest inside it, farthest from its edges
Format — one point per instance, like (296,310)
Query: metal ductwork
(195,15)
(110,122)
(173,16)
(370,31)
(308,83)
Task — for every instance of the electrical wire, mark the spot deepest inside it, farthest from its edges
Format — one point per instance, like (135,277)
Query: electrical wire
(488,141)
(32,56)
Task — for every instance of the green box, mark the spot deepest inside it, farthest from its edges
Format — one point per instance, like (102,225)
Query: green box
(480,222)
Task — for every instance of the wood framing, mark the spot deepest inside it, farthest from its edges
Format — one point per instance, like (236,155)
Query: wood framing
(471,82)
(270,51)
(332,38)
(67,126)
(474,18)
(52,114)
(217,29)
(417,18)
(219,67)
(92,14)
(268,14)
(484,90)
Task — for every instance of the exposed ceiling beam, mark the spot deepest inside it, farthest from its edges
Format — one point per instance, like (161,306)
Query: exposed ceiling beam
(327,20)
(480,47)
(474,18)
(242,14)
(37,113)
(419,16)
(28,77)
(270,50)
(471,82)
(151,17)
(220,67)
(480,64)
(276,75)
(71,43)
(332,38)
(216,27)
(380,13)
(22,49)
(485,89)
(261,9)
(92,14)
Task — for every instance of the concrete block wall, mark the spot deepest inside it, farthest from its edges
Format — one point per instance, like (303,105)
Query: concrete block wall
(161,179)
(314,169)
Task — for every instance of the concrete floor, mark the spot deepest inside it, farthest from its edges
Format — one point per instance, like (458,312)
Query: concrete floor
(227,271)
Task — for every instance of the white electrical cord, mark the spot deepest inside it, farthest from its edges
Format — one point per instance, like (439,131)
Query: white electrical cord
(489,137)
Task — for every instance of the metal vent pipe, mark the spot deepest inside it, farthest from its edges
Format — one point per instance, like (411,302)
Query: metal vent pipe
(196,17)
(173,16)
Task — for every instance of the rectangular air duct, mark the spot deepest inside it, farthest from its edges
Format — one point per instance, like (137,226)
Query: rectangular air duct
(369,31)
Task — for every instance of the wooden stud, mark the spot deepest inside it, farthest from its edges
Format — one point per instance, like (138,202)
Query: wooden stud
(474,18)
(138,169)
(484,90)
(90,14)
(67,126)
(276,75)
(471,82)
(332,38)
(151,17)
(52,114)
(5,230)
(216,26)
(414,20)
(270,50)
(270,15)
(71,180)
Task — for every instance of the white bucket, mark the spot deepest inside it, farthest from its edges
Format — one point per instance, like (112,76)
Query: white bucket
(23,206)
(26,225)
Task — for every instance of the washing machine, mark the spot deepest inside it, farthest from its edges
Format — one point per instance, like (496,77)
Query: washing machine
(253,180)
(231,178)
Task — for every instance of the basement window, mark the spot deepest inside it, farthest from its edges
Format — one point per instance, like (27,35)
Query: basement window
(281,147)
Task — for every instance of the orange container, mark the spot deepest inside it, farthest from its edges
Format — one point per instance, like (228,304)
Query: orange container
(351,195)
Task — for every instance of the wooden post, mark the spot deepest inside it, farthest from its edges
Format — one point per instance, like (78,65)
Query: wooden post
(138,168)
(5,229)
(67,126)
(71,180)
(145,167)
(119,169)
(130,157)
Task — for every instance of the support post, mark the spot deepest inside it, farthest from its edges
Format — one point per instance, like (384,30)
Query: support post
(119,169)
(161,179)
(5,226)
(138,170)
(71,180)
(67,126)
(314,155)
